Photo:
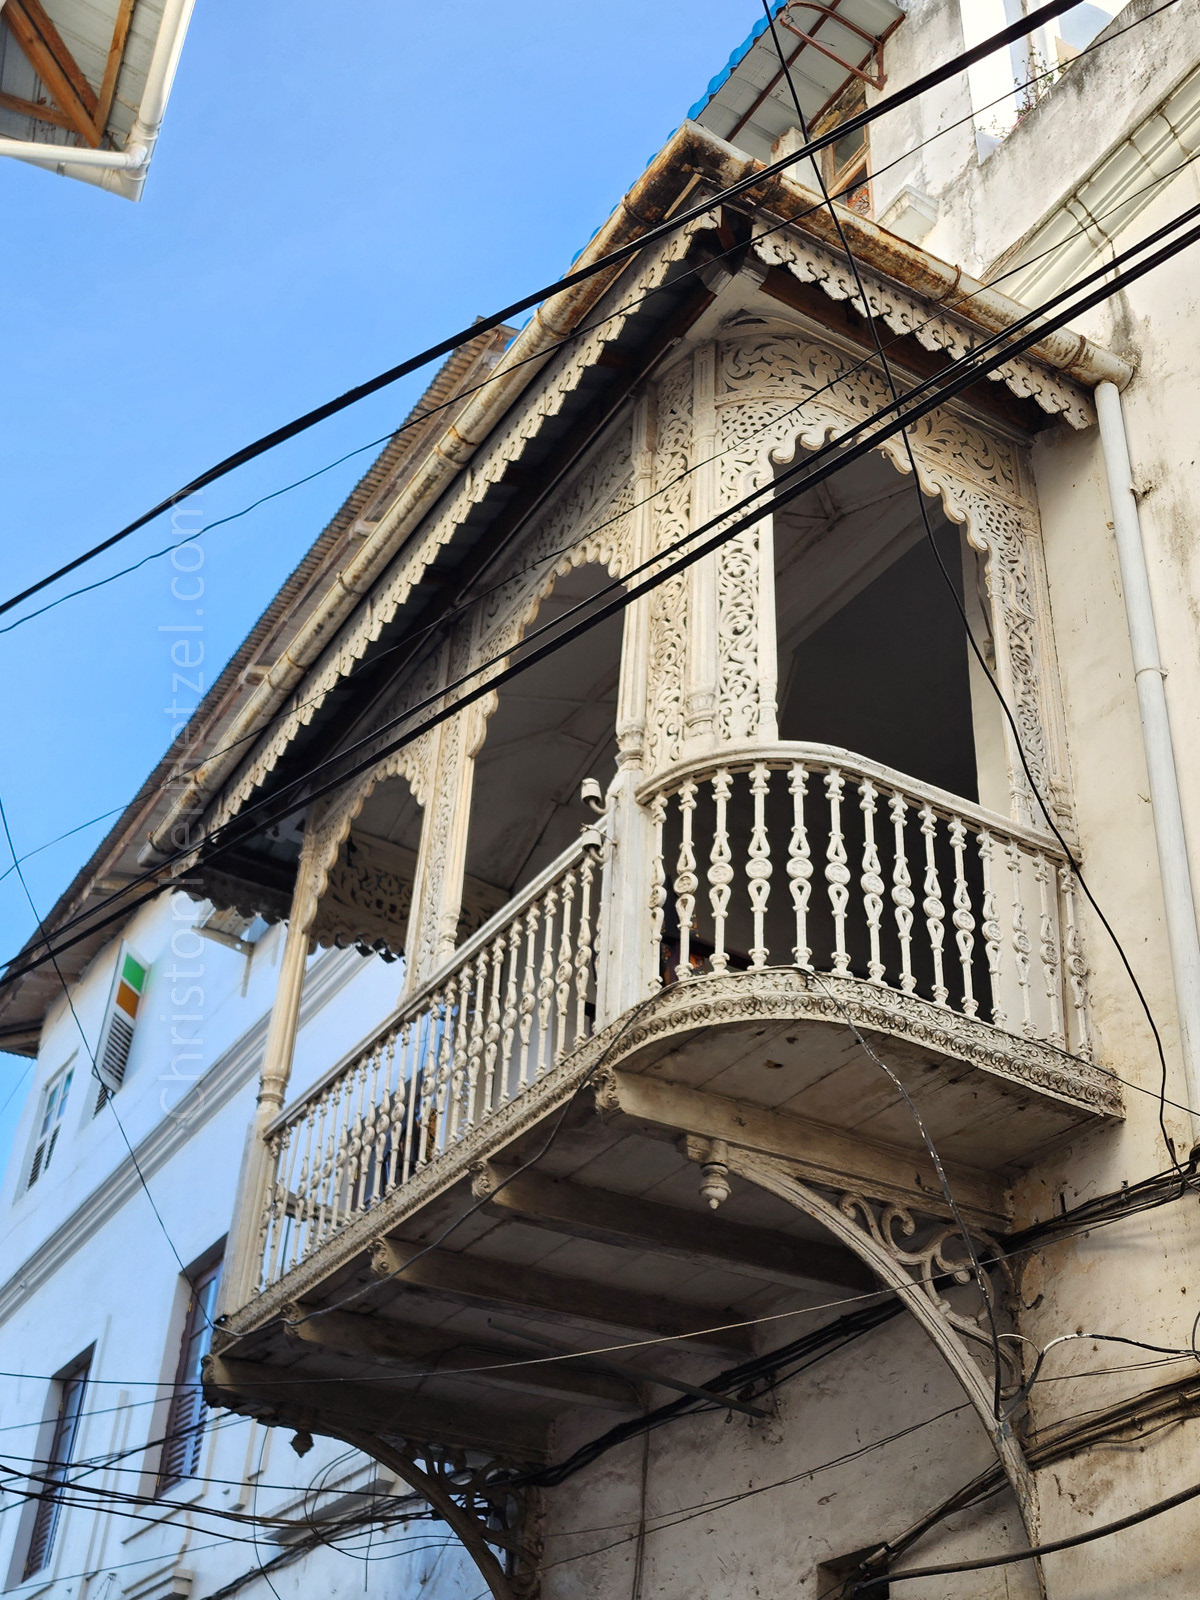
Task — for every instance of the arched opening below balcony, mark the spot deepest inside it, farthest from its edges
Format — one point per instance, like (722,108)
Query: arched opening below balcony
(368,895)
(553,726)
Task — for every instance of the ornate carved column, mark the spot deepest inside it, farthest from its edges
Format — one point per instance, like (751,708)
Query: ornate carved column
(626,951)
(701,665)
(441,859)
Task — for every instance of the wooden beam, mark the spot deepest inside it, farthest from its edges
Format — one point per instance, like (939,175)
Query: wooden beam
(383,1341)
(48,55)
(319,1404)
(476,1280)
(41,110)
(112,67)
(820,1154)
(694,1236)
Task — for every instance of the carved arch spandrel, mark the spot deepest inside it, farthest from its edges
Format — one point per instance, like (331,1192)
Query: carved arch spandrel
(779,395)
(854,1223)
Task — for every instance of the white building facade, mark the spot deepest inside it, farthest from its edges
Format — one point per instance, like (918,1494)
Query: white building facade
(707,1138)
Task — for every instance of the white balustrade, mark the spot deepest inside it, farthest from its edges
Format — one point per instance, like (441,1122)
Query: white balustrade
(789,855)
(888,879)
(510,1004)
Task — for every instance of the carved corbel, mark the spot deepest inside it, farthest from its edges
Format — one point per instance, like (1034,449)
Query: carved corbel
(916,1276)
(480,1504)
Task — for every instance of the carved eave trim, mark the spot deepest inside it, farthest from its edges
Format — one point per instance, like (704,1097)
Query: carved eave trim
(382,599)
(936,329)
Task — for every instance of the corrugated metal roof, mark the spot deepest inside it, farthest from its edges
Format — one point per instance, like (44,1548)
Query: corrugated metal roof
(749,103)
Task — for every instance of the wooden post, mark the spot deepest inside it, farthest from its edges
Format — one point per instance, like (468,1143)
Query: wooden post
(240,1279)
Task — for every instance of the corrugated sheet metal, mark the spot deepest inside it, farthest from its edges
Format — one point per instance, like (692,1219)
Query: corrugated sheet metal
(748,102)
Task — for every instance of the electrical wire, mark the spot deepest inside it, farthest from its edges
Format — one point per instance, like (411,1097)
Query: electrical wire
(577,333)
(613,258)
(953,303)
(983,1282)
(864,1586)
(832,457)
(137,1167)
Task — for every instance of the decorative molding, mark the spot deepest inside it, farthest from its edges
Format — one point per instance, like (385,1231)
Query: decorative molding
(784,994)
(980,479)
(934,329)
(540,403)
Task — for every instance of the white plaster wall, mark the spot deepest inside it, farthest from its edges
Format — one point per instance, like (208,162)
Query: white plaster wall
(97,1268)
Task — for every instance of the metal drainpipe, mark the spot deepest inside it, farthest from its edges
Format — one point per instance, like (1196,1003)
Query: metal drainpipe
(1178,903)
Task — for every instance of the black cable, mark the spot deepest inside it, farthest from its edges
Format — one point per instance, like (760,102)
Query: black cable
(1035,1551)
(460,607)
(418,417)
(930,80)
(109,1099)
(983,1282)
(960,375)
(980,658)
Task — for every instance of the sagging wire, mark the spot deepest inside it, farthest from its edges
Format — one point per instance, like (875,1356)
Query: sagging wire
(975,647)
(613,258)
(109,1099)
(838,453)
(982,1280)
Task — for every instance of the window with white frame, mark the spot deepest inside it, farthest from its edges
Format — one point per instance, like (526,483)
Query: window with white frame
(1009,83)
(50,1120)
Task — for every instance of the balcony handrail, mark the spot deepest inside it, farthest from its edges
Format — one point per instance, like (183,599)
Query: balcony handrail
(411,1005)
(784,753)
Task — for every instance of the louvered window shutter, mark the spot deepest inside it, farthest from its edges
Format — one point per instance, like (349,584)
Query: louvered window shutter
(116,1036)
(62,1452)
(185,1422)
(54,1102)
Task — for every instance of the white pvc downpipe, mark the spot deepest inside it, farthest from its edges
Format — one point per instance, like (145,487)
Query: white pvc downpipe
(62,155)
(1179,905)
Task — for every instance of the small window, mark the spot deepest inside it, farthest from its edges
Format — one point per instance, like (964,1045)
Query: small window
(71,1385)
(846,161)
(54,1103)
(185,1421)
(116,1036)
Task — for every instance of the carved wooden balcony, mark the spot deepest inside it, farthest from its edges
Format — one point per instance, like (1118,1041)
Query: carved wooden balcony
(797,893)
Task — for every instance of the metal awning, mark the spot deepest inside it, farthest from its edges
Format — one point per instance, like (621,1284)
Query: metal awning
(829,44)
(84,83)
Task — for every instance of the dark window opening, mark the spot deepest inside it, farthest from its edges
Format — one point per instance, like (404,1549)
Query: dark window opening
(184,1433)
(872,652)
(71,1385)
(553,726)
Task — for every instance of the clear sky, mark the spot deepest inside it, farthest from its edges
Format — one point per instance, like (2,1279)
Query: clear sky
(332,191)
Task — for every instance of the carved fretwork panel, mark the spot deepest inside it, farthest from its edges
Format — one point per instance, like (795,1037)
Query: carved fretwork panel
(368,896)
(778,395)
(670,521)
(588,521)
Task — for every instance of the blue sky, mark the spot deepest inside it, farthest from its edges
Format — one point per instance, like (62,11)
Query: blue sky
(330,193)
